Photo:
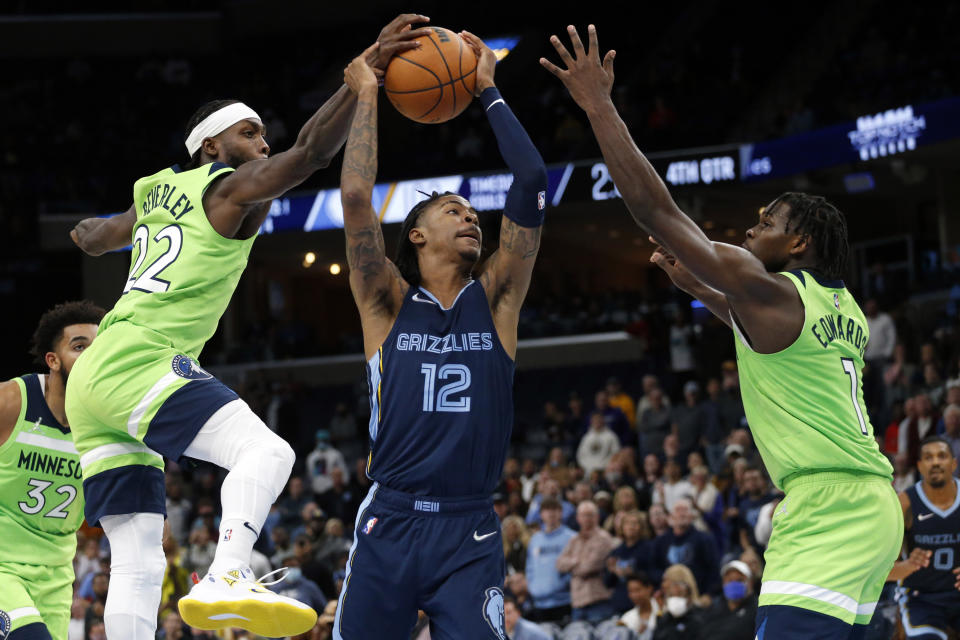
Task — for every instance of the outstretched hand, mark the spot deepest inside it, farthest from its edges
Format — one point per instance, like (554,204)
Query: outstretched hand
(486,61)
(586,78)
(397,37)
(672,267)
(359,74)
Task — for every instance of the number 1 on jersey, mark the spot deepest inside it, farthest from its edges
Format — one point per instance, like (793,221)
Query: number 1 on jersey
(850,368)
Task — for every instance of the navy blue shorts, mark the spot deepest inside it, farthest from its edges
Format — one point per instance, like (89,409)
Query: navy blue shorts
(783,622)
(441,555)
(930,616)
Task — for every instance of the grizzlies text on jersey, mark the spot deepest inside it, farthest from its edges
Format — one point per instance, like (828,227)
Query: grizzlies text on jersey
(441,398)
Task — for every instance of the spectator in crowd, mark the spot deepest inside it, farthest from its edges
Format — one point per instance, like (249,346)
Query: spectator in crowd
(500,506)
(732,617)
(648,479)
(315,571)
(673,486)
(619,399)
(707,500)
(202,550)
(549,588)
(515,540)
(87,559)
(688,418)
(620,471)
(340,500)
(597,446)
(558,468)
(528,479)
(555,424)
(343,426)
(584,558)
(624,501)
(516,627)
(650,382)
(653,425)
(613,417)
(764,527)
(299,587)
(682,337)
(682,618)
(321,462)
(176,577)
(280,538)
(904,475)
(659,520)
(756,493)
(178,508)
(549,488)
(917,428)
(516,586)
(642,617)
(171,627)
(332,544)
(96,630)
(951,429)
(883,335)
(100,585)
(633,555)
(78,613)
(754,562)
(933,385)
(291,505)
(717,424)
(683,544)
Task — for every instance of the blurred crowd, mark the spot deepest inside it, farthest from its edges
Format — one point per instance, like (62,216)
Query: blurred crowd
(640,510)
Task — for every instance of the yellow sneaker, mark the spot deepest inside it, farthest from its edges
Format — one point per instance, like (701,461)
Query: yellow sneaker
(236,599)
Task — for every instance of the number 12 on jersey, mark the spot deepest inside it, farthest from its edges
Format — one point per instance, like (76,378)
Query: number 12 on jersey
(441,400)
(850,368)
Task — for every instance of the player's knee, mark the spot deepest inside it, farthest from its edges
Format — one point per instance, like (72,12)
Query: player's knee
(283,455)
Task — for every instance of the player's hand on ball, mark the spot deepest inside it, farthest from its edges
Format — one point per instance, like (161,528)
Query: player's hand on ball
(486,61)
(586,77)
(359,75)
(397,37)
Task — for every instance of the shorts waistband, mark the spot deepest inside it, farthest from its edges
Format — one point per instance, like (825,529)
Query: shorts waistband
(830,477)
(430,504)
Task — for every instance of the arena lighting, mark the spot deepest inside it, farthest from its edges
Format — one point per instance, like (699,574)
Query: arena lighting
(308,259)
(335,269)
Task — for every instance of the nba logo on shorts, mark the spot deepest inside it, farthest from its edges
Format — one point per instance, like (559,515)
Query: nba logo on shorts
(541,200)
(367,528)
(187,368)
(493,612)
(5,624)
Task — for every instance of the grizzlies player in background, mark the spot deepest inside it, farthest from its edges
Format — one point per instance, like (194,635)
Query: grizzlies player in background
(140,395)
(41,493)
(799,337)
(440,347)
(929,578)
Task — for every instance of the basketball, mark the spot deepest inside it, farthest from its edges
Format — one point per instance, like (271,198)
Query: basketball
(435,82)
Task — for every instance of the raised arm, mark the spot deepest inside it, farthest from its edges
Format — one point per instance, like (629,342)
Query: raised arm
(712,299)
(375,281)
(728,269)
(506,274)
(97,236)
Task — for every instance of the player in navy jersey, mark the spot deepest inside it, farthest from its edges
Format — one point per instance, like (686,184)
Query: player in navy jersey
(440,336)
(929,578)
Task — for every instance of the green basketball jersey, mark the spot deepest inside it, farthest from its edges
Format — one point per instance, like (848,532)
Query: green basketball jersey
(183,272)
(41,487)
(805,403)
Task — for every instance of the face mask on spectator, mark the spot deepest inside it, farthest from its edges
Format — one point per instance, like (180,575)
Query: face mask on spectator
(677,606)
(735,590)
(294,575)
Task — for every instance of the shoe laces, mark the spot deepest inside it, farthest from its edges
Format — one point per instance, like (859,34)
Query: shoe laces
(260,580)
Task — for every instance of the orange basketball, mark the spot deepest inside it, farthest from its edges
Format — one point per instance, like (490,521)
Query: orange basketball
(435,82)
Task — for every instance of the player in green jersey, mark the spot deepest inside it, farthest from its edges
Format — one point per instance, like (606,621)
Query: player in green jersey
(41,493)
(799,338)
(140,395)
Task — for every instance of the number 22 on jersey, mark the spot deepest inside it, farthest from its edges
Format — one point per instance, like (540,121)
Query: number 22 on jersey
(168,242)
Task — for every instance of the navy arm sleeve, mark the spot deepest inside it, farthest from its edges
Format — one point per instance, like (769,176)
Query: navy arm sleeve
(526,198)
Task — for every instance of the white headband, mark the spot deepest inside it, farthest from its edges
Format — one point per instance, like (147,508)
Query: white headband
(217,122)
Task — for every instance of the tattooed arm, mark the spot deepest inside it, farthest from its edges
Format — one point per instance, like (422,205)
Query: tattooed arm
(375,281)
(507,273)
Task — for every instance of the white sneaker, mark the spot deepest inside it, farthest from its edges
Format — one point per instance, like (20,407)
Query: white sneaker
(236,599)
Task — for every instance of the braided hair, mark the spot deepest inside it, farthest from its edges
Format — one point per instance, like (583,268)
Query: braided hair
(406,260)
(826,227)
(198,116)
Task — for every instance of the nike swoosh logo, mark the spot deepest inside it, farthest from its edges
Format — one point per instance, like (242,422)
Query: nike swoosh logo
(416,298)
(255,532)
(924,517)
(483,537)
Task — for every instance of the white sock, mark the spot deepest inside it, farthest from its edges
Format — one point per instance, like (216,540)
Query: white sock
(259,462)
(137,565)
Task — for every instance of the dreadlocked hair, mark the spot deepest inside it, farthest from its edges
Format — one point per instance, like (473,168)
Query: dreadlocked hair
(824,224)
(406,260)
(198,116)
(53,322)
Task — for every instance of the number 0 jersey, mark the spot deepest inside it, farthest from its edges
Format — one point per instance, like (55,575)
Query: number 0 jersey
(441,398)
(183,272)
(41,488)
(805,403)
(938,531)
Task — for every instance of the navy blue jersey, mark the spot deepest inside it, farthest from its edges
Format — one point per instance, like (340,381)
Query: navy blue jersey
(441,398)
(938,531)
